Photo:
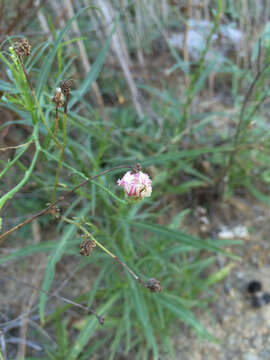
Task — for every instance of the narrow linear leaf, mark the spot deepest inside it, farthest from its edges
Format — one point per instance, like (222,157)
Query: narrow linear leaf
(186,316)
(89,328)
(29,250)
(142,312)
(47,64)
(50,270)
(94,72)
(181,237)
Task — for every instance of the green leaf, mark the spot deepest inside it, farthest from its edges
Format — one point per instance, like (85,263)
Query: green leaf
(5,86)
(50,270)
(184,154)
(31,249)
(219,275)
(89,328)
(142,312)
(117,339)
(47,64)
(186,239)
(257,193)
(185,315)
(94,72)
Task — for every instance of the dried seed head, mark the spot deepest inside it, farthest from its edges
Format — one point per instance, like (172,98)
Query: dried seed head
(22,47)
(65,86)
(153,285)
(58,97)
(136,168)
(87,247)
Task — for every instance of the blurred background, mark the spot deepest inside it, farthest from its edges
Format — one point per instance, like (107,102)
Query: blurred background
(182,88)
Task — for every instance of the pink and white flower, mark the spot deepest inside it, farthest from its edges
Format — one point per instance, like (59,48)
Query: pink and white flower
(136,185)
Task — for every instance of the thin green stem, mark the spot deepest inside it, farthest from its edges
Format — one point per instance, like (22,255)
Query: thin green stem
(61,198)
(37,103)
(27,174)
(87,233)
(16,158)
(78,225)
(61,155)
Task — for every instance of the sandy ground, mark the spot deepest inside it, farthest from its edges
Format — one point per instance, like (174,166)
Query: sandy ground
(243,331)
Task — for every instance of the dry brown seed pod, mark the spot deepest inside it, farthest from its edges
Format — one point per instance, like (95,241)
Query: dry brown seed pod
(66,85)
(153,285)
(22,47)
(87,247)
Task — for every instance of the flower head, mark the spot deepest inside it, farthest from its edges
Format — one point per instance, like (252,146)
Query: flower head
(136,184)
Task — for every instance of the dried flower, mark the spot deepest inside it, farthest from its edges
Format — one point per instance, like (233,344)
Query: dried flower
(22,47)
(65,86)
(58,97)
(153,285)
(87,247)
(136,184)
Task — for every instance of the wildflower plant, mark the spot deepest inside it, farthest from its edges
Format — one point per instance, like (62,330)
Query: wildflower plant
(142,300)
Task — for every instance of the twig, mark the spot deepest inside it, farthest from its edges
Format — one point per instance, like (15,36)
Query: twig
(88,234)
(36,279)
(17,340)
(68,301)
(15,147)
(243,108)
(61,198)
(17,322)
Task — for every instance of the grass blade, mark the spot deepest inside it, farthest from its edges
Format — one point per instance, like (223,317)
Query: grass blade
(46,68)
(181,237)
(90,326)
(94,72)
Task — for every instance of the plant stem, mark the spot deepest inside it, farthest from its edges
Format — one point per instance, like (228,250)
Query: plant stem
(68,301)
(26,176)
(61,198)
(37,103)
(81,227)
(241,122)
(61,154)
